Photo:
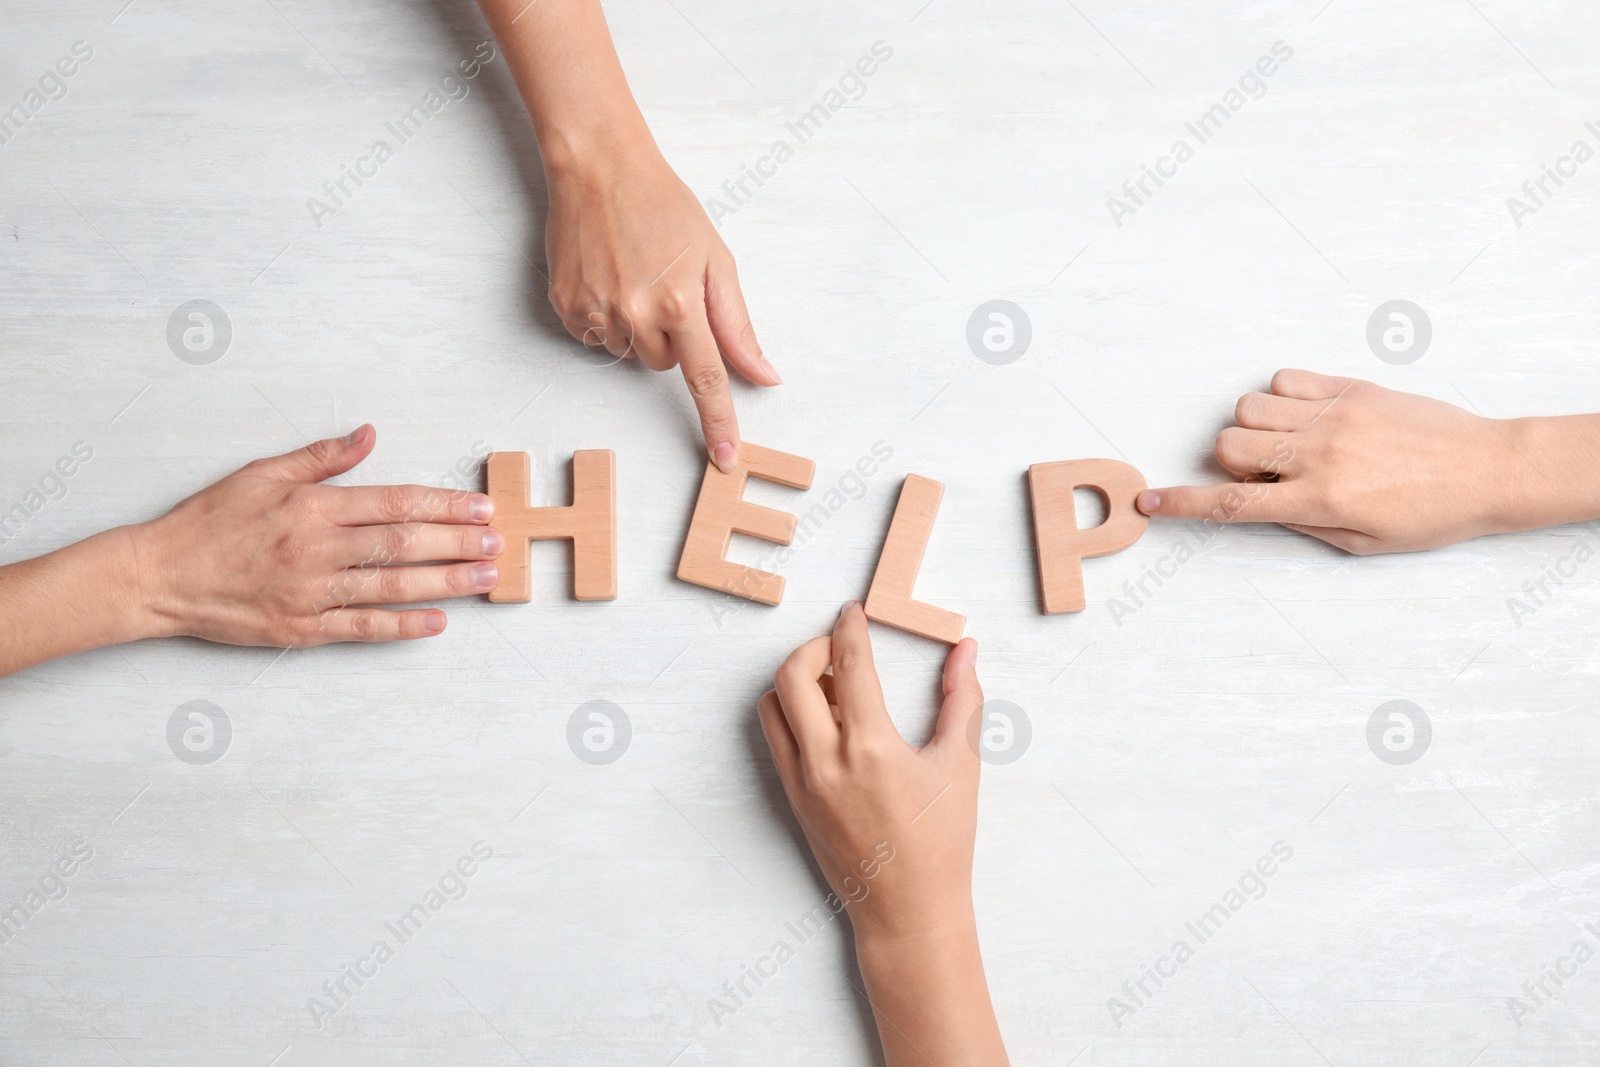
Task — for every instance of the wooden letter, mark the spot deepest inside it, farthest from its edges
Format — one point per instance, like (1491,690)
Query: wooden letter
(722,511)
(889,599)
(589,522)
(1061,545)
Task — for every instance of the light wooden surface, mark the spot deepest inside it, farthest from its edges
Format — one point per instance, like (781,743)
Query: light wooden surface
(1171,746)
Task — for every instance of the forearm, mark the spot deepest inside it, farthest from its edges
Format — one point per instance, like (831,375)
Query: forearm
(1558,477)
(930,998)
(80,597)
(566,68)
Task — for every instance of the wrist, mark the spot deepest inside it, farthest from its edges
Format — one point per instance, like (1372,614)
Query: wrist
(597,152)
(933,936)
(139,577)
(1548,478)
(98,577)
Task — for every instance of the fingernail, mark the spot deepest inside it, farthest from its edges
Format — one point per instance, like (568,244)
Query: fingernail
(433,622)
(772,371)
(726,457)
(848,604)
(964,654)
(481,508)
(485,575)
(355,435)
(493,542)
(1149,501)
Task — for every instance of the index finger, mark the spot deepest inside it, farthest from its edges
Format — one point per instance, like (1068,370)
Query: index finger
(696,353)
(805,707)
(374,505)
(1232,502)
(855,676)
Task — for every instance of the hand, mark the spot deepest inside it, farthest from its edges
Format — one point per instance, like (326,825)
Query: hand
(892,828)
(267,556)
(1364,468)
(636,267)
(868,801)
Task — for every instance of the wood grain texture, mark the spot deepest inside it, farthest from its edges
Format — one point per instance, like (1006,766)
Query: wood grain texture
(1061,545)
(721,511)
(1176,733)
(890,600)
(589,522)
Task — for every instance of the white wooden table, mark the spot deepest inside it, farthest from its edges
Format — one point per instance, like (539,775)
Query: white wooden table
(1170,749)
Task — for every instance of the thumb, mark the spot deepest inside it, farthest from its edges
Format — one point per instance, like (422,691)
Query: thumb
(962,696)
(321,460)
(731,326)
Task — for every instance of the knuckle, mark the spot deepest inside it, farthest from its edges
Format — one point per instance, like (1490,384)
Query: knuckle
(847,659)
(1248,408)
(871,750)
(676,306)
(786,676)
(705,381)
(321,452)
(819,780)
(564,296)
(1227,445)
(392,541)
(395,503)
(293,632)
(458,580)
(363,625)
(637,310)
(434,504)
(391,584)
